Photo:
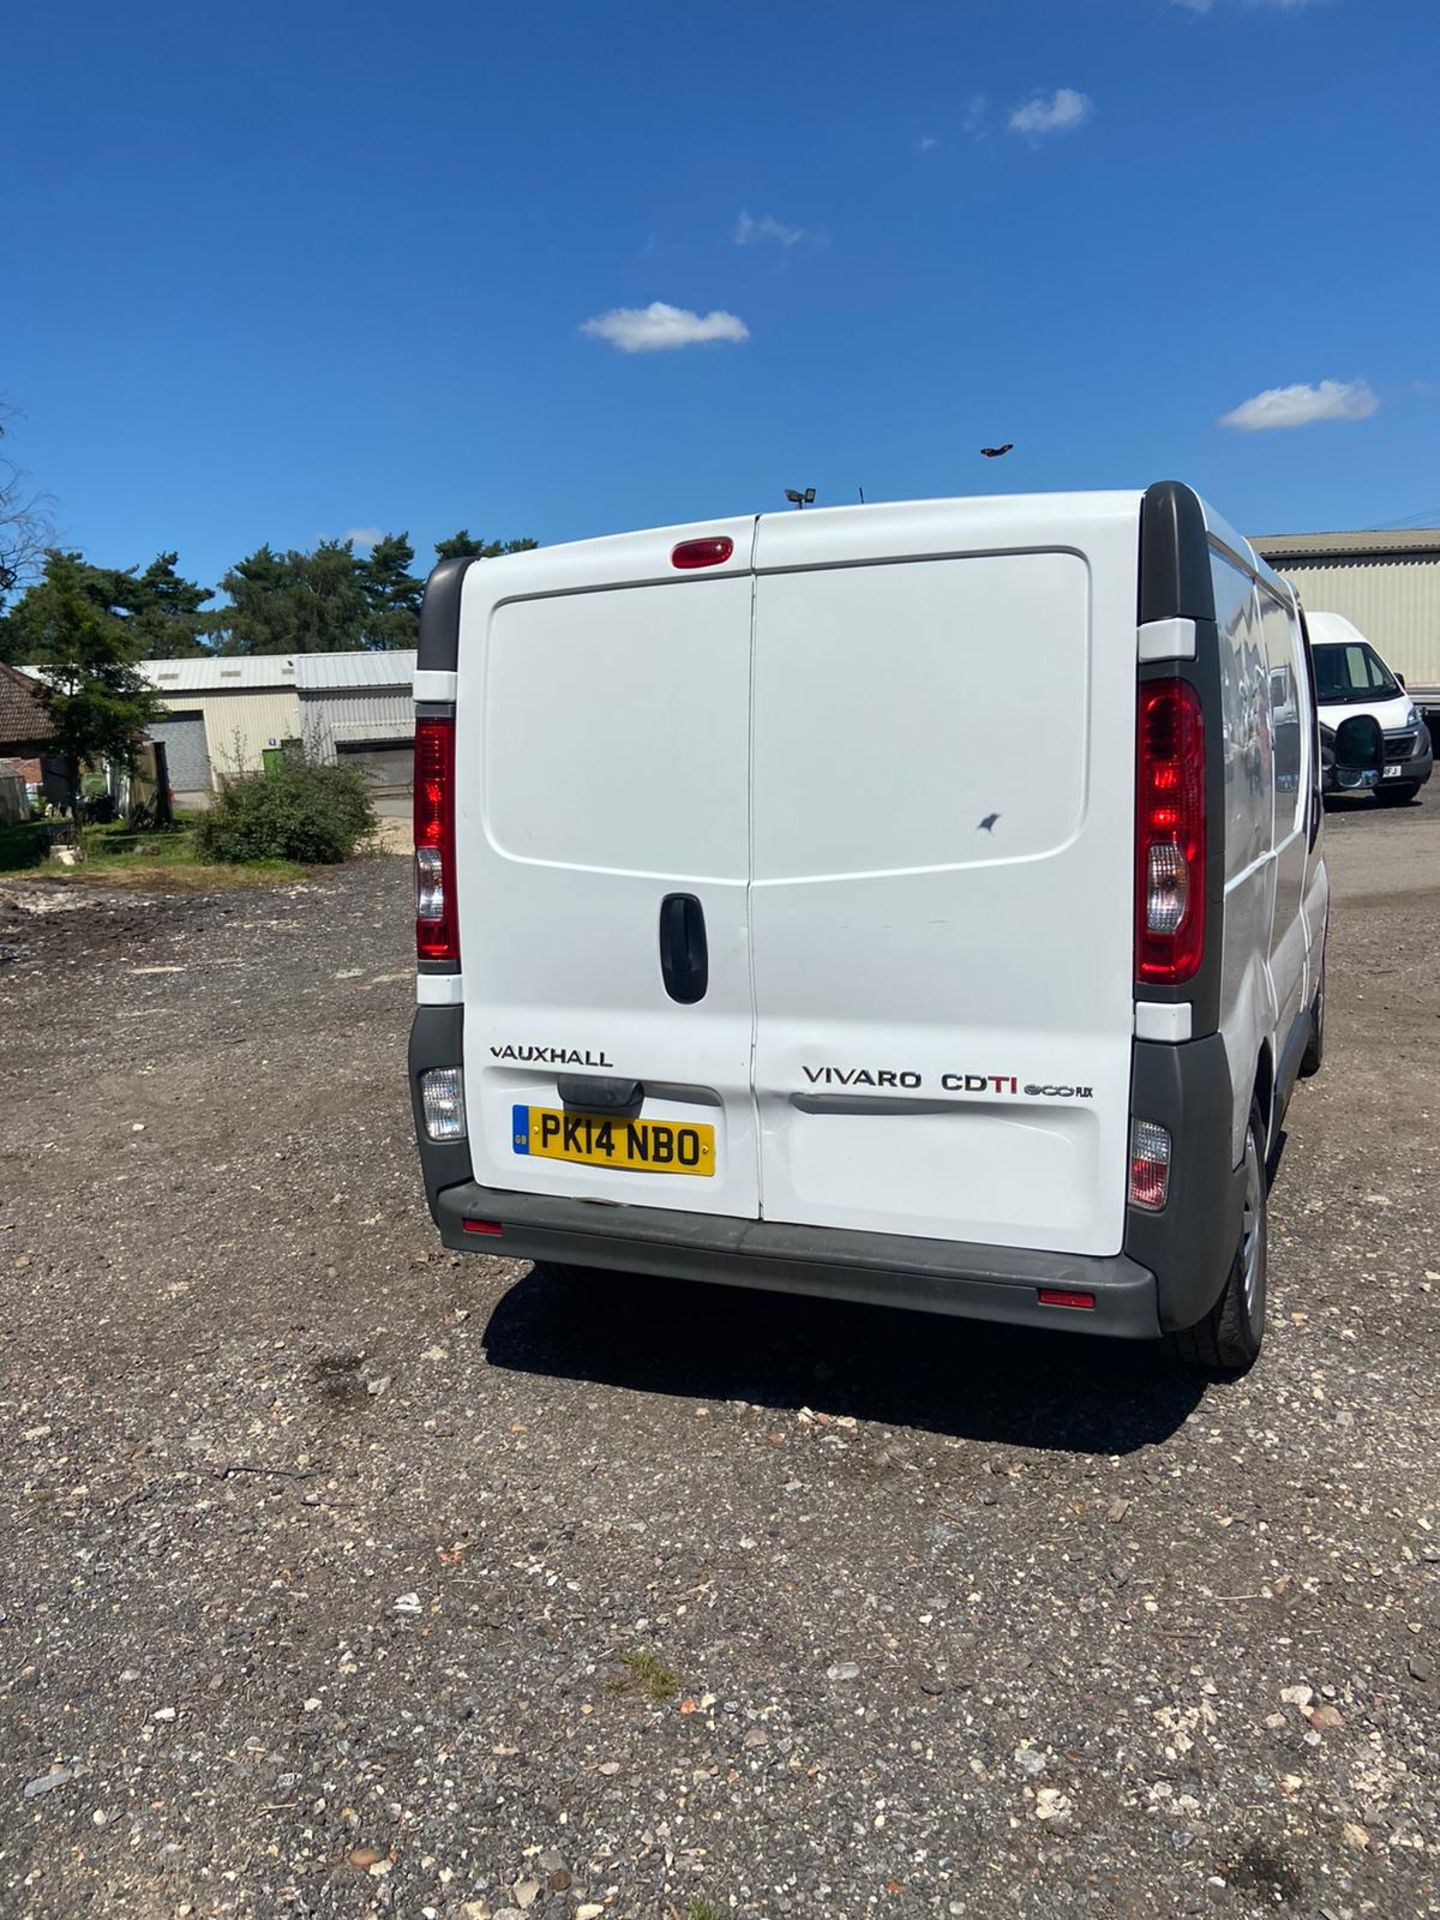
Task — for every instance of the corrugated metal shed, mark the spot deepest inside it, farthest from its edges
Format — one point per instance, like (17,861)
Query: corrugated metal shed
(355,719)
(1398,540)
(221,673)
(1387,583)
(355,700)
(248,703)
(341,672)
(239,726)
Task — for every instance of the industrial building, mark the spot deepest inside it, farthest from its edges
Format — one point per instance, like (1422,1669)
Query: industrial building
(359,709)
(1387,583)
(225,712)
(222,713)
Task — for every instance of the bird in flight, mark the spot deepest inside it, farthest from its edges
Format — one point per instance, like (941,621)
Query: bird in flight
(987,825)
(994,453)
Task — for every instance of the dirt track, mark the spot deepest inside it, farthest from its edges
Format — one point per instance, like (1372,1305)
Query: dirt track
(339,1574)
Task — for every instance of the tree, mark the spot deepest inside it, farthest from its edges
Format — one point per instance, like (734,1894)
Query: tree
(99,704)
(463,546)
(25,529)
(292,602)
(392,593)
(159,609)
(164,610)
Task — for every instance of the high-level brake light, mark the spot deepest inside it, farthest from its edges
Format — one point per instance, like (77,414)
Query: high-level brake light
(691,554)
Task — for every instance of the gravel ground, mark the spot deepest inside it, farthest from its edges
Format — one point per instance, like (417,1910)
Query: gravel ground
(344,1577)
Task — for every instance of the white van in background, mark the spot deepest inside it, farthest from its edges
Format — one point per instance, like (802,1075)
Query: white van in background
(1350,679)
(768,935)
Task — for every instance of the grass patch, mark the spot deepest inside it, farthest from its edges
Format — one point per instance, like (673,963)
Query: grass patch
(160,861)
(143,873)
(702,1909)
(646,1673)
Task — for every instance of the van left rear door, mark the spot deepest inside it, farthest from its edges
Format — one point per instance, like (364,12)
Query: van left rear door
(602,770)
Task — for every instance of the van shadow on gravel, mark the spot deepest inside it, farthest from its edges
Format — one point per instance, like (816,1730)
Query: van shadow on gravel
(1075,1394)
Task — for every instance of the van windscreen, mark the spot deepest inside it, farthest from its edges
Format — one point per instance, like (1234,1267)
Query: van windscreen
(1350,673)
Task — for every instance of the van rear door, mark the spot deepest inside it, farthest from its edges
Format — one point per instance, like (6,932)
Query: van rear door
(602,759)
(942,899)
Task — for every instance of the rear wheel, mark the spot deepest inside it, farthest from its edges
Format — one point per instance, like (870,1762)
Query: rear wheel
(1227,1341)
(1400,795)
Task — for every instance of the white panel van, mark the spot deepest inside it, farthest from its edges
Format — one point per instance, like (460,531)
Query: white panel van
(920,904)
(1351,679)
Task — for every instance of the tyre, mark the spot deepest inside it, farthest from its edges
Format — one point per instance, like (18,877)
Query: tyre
(1399,795)
(1227,1341)
(1313,1057)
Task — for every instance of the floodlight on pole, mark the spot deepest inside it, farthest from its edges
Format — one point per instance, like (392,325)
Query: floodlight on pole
(799,499)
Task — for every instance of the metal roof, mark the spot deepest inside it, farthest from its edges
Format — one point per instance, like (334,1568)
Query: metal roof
(350,672)
(1370,544)
(353,670)
(221,673)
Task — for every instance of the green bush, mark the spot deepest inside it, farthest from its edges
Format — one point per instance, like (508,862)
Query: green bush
(316,815)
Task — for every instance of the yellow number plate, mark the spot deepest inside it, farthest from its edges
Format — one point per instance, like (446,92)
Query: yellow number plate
(630,1146)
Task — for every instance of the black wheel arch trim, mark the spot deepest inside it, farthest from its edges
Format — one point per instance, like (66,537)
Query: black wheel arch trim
(1190,1244)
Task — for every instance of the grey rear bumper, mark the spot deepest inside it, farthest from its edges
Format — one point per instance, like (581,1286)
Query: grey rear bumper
(1167,1277)
(937,1276)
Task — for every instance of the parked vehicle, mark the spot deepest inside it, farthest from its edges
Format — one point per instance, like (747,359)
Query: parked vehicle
(863,903)
(1351,679)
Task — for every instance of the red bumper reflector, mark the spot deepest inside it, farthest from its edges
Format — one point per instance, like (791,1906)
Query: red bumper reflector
(1063,1297)
(702,553)
(481,1226)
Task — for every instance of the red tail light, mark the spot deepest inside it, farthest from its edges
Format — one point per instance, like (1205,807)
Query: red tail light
(1169,834)
(437,935)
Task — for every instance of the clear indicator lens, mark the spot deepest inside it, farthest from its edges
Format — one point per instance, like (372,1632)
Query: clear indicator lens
(1149,1165)
(1167,892)
(442,1099)
(429,884)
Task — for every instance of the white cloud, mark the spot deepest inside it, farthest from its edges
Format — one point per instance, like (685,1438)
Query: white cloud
(1273,6)
(363,536)
(657,327)
(927,143)
(1300,406)
(1058,112)
(976,122)
(750,232)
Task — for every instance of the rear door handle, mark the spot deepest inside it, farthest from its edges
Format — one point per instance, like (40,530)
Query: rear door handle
(684,954)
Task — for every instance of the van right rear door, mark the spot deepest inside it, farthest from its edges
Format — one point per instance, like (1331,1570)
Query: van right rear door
(942,885)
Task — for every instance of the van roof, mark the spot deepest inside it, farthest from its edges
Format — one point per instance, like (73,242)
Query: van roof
(1332,629)
(1015,507)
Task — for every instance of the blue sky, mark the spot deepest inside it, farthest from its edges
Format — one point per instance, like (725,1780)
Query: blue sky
(277,272)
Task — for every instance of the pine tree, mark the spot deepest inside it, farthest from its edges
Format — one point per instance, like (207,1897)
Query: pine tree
(392,593)
(464,546)
(99,703)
